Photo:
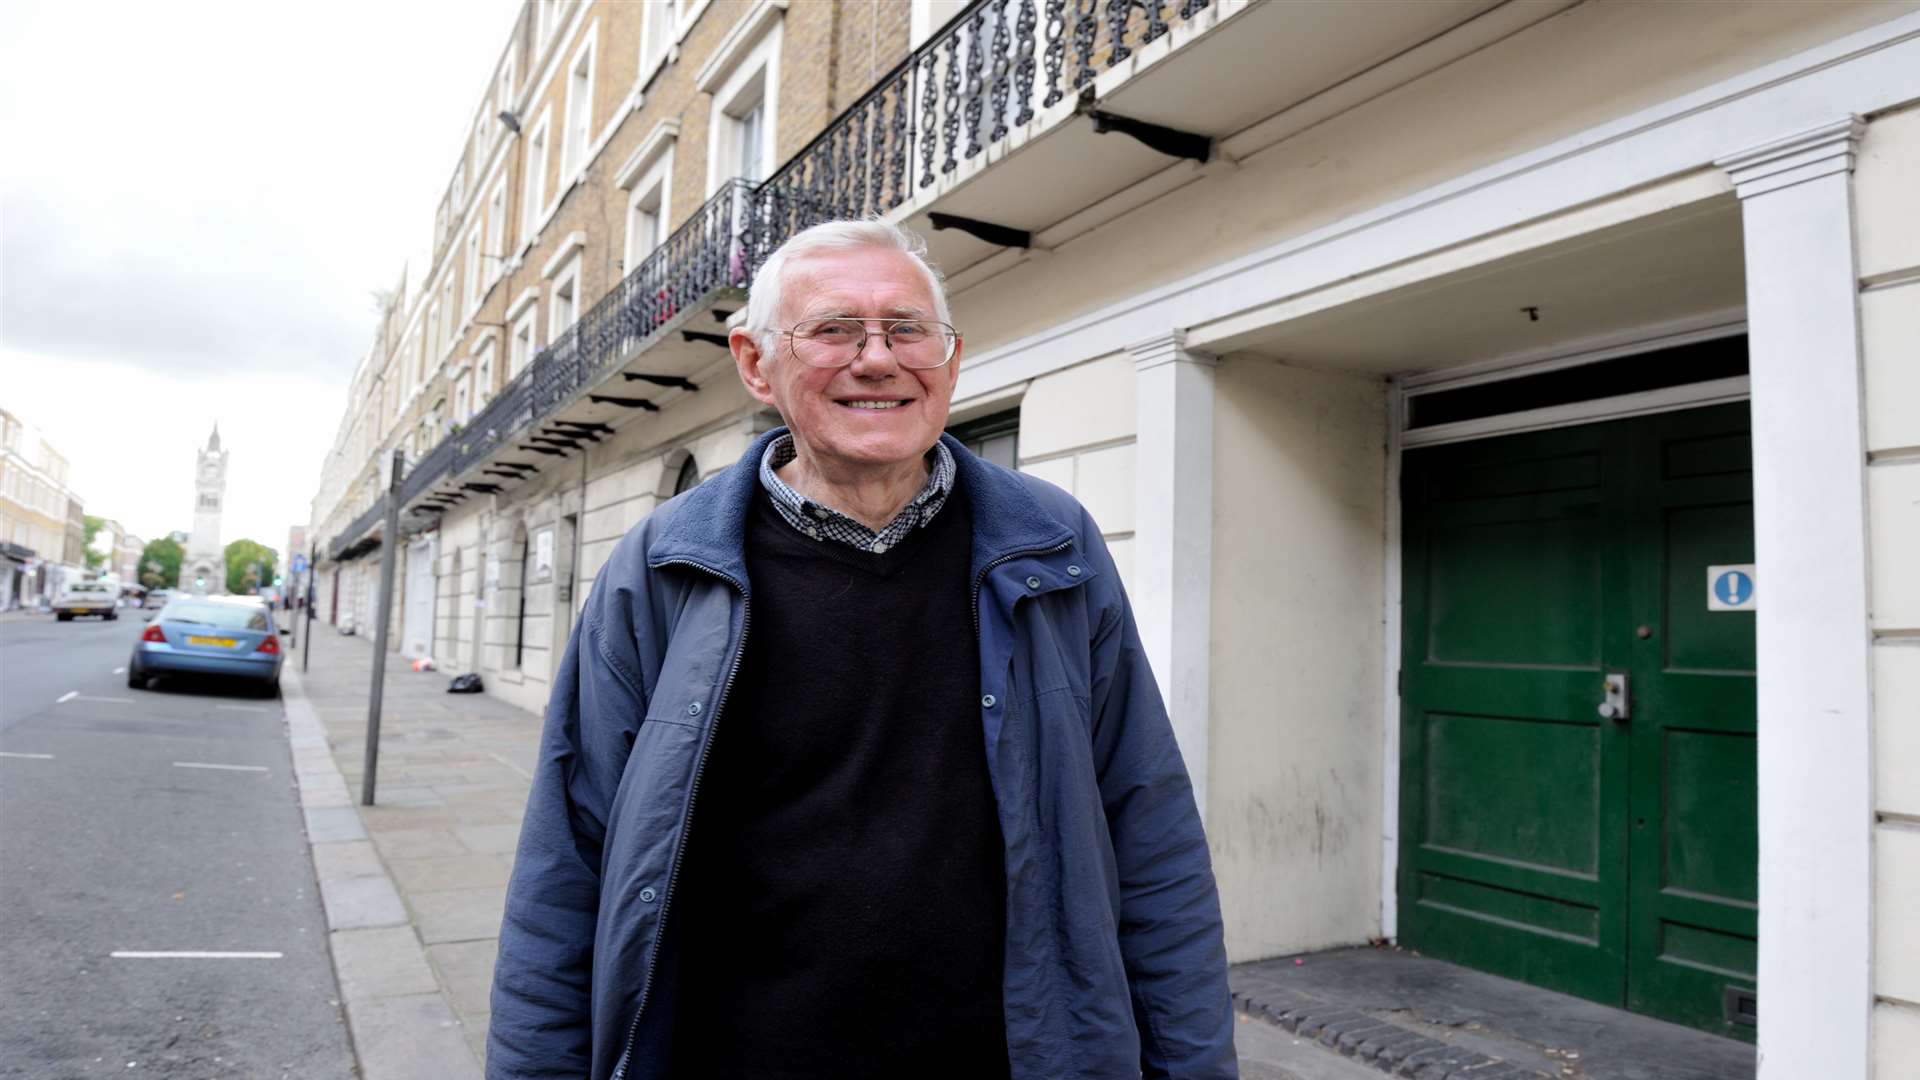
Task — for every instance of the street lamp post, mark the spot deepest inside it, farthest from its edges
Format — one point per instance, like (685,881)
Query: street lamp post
(384,610)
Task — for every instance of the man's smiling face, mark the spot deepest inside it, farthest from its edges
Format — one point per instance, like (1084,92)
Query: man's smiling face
(873,414)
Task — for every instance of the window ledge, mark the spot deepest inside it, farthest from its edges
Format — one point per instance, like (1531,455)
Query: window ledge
(739,42)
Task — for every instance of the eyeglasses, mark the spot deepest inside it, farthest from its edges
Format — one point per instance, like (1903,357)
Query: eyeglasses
(832,343)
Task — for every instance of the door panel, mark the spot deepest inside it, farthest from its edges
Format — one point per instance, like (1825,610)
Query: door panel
(1610,858)
(1514,809)
(1693,883)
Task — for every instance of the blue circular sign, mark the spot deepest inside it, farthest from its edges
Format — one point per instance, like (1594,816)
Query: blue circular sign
(1733,588)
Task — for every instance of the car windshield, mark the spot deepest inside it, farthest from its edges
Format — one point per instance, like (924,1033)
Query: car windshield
(223,616)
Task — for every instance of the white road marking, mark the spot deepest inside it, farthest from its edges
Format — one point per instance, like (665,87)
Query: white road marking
(119,671)
(135,954)
(68,696)
(106,700)
(207,765)
(37,757)
(243,708)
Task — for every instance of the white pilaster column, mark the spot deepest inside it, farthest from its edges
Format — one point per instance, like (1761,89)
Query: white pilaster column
(1173,533)
(1814,640)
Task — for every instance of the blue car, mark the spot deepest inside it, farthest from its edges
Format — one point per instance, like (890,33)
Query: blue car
(220,636)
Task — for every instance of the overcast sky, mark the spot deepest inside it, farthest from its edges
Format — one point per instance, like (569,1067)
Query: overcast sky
(196,200)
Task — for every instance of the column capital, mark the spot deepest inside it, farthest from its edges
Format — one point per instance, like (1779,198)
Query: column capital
(1794,159)
(1167,348)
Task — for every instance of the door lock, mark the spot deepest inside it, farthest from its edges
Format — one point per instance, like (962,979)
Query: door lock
(1614,706)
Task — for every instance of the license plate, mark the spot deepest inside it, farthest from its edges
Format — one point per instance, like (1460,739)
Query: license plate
(223,642)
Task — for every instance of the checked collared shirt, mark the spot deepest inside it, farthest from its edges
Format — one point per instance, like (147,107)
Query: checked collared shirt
(826,523)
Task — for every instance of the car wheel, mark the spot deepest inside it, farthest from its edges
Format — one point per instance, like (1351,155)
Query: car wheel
(112,615)
(271,688)
(136,679)
(65,616)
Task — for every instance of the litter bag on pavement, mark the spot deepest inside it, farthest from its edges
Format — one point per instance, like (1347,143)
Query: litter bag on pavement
(464,684)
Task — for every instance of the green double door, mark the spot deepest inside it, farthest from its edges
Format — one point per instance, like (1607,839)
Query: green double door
(1612,858)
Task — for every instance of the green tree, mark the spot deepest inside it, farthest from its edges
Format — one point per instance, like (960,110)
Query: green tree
(92,526)
(160,564)
(249,565)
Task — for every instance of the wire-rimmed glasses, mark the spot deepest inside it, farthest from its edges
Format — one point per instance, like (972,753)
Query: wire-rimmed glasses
(832,343)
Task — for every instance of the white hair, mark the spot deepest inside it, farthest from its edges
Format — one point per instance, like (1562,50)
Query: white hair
(767,293)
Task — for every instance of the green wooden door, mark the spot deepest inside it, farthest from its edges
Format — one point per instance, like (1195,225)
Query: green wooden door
(1613,859)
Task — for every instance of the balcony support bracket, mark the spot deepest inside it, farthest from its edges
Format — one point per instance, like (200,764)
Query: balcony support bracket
(1002,235)
(486,489)
(695,336)
(549,451)
(1169,141)
(623,402)
(672,382)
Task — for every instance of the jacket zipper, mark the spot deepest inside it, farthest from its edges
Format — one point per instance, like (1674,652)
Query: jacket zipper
(693,792)
(981,578)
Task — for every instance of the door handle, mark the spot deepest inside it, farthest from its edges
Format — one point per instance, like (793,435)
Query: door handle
(1614,706)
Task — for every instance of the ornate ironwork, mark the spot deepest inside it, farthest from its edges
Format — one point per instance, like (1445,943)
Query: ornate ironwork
(950,127)
(1156,23)
(929,114)
(1023,66)
(1085,27)
(1001,69)
(1117,12)
(976,63)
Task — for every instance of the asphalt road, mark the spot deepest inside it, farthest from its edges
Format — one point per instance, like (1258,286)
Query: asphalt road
(115,836)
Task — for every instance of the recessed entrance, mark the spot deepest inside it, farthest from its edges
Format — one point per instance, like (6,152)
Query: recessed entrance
(1609,853)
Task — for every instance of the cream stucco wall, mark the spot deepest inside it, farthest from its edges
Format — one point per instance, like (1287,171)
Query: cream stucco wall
(1590,64)
(1887,208)
(1294,760)
(1077,432)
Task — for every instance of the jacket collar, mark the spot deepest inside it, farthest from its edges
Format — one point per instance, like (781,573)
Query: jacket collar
(710,525)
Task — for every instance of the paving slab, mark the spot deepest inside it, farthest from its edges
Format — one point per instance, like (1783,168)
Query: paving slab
(415,1037)
(385,962)
(1417,1016)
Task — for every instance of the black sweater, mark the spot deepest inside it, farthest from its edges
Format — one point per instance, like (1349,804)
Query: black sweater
(842,900)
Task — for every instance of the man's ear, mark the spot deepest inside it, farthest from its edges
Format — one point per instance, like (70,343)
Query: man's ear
(748,360)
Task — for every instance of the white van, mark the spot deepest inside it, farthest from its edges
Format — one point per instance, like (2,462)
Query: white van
(86,598)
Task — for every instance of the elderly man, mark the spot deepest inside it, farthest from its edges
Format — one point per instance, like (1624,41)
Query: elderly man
(854,767)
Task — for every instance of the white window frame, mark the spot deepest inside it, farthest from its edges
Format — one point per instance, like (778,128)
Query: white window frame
(462,398)
(497,228)
(744,71)
(578,134)
(474,292)
(449,320)
(483,374)
(647,178)
(925,17)
(533,182)
(562,315)
(502,95)
(525,329)
(659,38)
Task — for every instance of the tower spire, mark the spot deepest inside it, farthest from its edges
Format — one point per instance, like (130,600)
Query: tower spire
(213,443)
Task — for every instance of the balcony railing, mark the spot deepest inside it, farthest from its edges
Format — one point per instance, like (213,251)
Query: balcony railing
(706,253)
(990,70)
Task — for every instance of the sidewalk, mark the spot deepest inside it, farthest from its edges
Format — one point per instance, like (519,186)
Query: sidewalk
(414,886)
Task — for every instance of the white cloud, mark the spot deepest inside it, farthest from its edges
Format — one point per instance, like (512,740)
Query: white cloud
(195,203)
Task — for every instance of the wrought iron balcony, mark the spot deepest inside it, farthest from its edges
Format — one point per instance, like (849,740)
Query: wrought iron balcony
(705,254)
(990,70)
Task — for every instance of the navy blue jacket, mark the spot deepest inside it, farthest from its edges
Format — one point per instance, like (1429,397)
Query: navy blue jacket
(1115,965)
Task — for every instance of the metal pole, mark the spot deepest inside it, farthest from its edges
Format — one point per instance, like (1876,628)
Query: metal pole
(383,609)
(313,572)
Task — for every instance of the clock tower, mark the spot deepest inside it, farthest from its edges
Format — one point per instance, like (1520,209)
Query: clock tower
(205,569)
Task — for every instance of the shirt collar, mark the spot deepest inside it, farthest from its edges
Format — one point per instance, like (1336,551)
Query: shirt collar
(826,523)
